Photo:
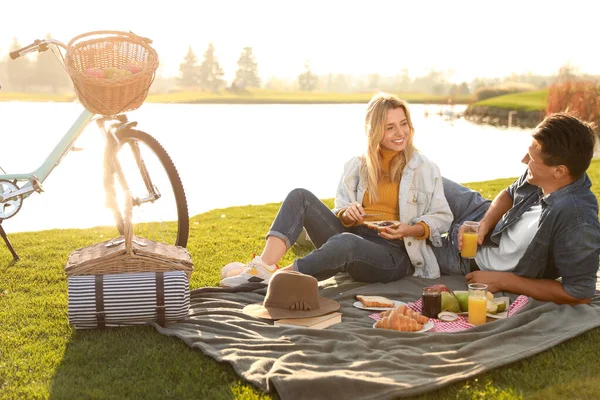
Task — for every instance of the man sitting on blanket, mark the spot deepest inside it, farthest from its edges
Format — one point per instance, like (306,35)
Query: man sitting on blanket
(542,227)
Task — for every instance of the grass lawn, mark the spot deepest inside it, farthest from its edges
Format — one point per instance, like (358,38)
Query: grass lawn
(272,97)
(252,97)
(12,96)
(41,356)
(529,101)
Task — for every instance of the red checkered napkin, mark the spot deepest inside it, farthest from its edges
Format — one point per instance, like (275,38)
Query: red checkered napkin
(461,323)
(517,305)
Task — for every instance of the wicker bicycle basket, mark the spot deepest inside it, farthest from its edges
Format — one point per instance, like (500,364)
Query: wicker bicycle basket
(129,254)
(102,50)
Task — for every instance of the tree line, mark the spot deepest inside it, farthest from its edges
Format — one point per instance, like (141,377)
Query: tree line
(45,73)
(208,75)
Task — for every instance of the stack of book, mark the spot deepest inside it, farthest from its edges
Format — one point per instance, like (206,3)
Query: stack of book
(320,322)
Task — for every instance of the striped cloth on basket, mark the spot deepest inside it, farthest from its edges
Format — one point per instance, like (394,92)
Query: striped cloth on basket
(462,322)
(127,299)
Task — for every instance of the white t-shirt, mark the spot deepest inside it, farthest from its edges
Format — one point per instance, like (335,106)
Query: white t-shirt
(513,243)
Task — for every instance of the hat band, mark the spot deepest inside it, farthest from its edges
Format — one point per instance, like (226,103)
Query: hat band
(300,305)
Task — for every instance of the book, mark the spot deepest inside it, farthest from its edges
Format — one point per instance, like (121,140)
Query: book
(320,322)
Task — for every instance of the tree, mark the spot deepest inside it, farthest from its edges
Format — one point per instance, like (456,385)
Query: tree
(18,71)
(459,90)
(49,71)
(189,72)
(210,71)
(247,73)
(307,80)
(578,97)
(403,80)
(567,73)
(374,81)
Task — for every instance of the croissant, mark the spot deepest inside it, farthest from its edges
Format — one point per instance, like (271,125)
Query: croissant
(403,310)
(399,323)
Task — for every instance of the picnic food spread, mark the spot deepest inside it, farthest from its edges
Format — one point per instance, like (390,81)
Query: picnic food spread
(375,301)
(452,317)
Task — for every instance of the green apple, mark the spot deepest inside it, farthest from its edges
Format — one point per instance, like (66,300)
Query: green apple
(501,305)
(492,307)
(449,302)
(463,299)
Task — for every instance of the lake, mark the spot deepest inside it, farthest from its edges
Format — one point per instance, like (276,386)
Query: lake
(232,155)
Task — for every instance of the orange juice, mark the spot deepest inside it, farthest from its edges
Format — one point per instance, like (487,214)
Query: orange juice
(477,310)
(469,245)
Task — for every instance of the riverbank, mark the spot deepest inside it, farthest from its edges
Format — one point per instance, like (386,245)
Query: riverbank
(253,97)
(525,109)
(37,97)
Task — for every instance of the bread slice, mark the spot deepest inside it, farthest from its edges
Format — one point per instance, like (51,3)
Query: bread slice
(375,301)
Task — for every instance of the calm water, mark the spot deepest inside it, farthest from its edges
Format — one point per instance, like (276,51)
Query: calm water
(230,155)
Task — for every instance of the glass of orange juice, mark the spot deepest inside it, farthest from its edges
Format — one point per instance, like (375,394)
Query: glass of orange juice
(469,239)
(477,303)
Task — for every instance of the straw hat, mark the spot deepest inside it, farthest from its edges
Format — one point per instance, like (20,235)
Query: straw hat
(292,294)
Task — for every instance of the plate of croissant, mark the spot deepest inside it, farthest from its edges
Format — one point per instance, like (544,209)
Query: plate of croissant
(403,319)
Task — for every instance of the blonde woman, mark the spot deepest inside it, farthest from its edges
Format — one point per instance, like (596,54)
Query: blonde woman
(391,181)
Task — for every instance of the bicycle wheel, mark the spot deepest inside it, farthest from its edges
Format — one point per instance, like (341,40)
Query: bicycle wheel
(160,210)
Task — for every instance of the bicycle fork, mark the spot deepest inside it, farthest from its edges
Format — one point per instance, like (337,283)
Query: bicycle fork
(113,168)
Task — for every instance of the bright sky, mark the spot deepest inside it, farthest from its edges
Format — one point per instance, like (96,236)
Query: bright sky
(473,38)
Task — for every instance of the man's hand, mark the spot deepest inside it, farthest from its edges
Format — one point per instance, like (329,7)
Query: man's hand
(483,231)
(539,289)
(493,280)
(353,214)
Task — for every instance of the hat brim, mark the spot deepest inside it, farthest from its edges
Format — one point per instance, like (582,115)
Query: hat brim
(259,311)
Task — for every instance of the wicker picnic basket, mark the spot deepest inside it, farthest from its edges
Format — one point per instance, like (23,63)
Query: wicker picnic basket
(129,254)
(113,50)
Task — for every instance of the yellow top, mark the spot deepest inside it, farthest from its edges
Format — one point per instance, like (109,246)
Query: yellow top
(387,205)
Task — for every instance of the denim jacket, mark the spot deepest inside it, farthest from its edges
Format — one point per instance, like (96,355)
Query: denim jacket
(421,198)
(567,242)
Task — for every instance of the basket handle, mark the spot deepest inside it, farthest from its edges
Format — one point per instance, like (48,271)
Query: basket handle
(117,33)
(128,224)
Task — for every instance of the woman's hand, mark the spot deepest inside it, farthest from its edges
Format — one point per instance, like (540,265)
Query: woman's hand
(396,231)
(353,214)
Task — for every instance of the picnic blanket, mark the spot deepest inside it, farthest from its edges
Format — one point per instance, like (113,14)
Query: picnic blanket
(354,360)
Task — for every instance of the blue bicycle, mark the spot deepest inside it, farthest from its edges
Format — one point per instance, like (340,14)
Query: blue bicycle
(134,163)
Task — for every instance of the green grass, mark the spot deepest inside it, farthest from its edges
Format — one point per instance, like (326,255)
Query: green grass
(14,96)
(252,97)
(272,97)
(41,356)
(529,101)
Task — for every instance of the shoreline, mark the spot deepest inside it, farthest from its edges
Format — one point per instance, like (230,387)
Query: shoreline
(504,117)
(253,97)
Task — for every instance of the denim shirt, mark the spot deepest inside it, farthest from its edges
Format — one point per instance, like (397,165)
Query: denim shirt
(567,242)
(421,198)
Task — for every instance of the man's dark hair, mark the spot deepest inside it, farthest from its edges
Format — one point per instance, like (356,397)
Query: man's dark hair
(566,140)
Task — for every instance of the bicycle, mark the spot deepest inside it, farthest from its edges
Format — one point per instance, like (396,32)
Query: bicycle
(133,158)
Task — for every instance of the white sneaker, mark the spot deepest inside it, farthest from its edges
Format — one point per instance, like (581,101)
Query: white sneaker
(256,271)
(232,269)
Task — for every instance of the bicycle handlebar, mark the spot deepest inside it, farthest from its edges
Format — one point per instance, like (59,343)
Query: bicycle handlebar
(40,45)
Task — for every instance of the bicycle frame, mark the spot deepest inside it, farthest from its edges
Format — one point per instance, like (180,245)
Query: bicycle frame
(53,159)
(19,186)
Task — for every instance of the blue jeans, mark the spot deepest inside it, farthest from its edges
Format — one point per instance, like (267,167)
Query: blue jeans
(466,205)
(359,251)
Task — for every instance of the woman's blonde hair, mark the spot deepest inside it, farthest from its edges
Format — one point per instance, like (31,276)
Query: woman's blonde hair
(375,122)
